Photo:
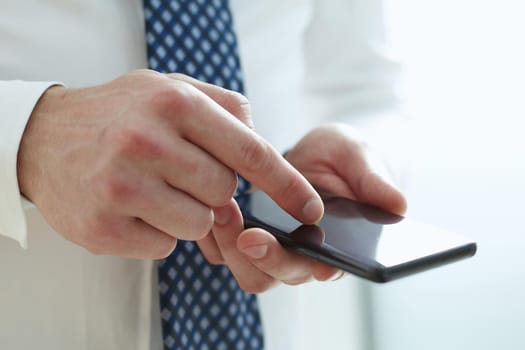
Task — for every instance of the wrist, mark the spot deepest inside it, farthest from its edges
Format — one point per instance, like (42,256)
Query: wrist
(33,143)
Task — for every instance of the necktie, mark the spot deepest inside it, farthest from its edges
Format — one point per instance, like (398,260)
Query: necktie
(202,306)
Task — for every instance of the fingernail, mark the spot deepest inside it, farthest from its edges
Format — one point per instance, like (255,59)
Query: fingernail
(256,252)
(313,210)
(222,215)
(340,274)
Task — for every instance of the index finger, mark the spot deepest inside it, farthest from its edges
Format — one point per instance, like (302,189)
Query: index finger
(226,138)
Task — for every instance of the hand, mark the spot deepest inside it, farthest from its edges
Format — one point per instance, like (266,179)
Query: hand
(129,167)
(255,257)
(336,160)
(333,159)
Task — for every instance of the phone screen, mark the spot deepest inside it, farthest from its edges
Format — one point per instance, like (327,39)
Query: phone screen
(359,238)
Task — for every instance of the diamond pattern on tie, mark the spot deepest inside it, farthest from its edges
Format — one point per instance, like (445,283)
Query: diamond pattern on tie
(202,306)
(194,37)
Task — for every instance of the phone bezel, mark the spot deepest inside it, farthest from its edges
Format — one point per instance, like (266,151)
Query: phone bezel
(360,265)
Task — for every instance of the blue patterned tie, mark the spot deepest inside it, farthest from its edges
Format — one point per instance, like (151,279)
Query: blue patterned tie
(202,306)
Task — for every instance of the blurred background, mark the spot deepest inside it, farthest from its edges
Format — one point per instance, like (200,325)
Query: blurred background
(465,93)
(465,88)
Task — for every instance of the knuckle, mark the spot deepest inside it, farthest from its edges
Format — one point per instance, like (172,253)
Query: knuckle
(114,192)
(229,186)
(178,76)
(133,142)
(213,183)
(164,247)
(238,105)
(143,74)
(255,154)
(177,98)
(237,98)
(192,167)
(224,191)
(293,186)
(200,225)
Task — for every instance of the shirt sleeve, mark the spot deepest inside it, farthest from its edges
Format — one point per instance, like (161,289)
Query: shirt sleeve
(17,100)
(351,77)
(346,57)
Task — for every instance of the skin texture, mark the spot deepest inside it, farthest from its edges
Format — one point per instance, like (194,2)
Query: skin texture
(129,167)
(334,159)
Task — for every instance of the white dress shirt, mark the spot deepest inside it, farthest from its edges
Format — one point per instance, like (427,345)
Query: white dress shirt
(326,55)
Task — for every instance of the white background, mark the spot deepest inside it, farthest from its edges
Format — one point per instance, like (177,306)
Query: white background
(465,91)
(465,64)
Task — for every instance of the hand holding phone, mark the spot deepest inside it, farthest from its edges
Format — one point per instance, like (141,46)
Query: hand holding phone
(359,238)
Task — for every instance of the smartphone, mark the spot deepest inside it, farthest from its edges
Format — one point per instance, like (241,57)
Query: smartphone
(358,238)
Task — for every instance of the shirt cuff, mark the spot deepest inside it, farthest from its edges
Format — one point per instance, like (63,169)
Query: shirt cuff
(17,101)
